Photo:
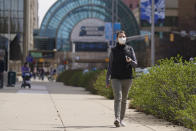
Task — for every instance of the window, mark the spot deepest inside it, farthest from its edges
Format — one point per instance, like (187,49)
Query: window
(7,5)
(171,21)
(1,4)
(20,5)
(14,5)
(195,6)
(131,6)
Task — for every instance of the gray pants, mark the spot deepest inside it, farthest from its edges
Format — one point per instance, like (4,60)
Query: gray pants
(120,90)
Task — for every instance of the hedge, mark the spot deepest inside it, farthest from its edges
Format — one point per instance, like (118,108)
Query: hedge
(79,79)
(168,92)
(100,85)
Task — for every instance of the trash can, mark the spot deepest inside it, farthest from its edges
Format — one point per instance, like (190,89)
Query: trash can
(11,78)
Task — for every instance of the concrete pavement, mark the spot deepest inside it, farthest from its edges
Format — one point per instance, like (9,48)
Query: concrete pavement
(50,106)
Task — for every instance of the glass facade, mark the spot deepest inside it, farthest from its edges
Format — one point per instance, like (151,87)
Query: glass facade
(64,15)
(13,9)
(11,24)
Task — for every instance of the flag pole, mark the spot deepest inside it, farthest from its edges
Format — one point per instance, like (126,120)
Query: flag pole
(152,35)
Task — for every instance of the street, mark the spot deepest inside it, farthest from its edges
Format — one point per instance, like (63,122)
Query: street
(51,106)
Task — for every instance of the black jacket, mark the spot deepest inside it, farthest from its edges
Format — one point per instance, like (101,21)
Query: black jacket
(118,67)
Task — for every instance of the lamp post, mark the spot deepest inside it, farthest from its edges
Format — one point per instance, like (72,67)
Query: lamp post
(73,54)
(9,38)
(114,17)
(152,34)
(113,1)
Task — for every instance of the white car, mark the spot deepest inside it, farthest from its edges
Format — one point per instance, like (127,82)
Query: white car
(140,71)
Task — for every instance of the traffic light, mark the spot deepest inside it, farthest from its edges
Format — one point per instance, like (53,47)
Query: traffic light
(171,37)
(146,38)
(65,62)
(107,60)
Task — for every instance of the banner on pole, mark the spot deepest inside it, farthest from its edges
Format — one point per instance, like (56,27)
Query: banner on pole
(108,30)
(146,9)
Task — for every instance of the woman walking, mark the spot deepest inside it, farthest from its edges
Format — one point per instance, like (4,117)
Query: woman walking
(122,60)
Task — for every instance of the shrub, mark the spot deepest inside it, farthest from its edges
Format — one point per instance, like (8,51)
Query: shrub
(70,77)
(77,78)
(100,85)
(93,81)
(89,79)
(168,92)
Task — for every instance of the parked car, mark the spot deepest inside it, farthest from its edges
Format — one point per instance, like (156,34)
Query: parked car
(140,71)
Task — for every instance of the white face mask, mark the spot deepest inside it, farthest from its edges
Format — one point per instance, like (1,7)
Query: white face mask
(122,41)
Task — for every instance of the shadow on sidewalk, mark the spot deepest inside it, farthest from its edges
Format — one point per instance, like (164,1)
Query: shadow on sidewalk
(86,127)
(50,87)
(150,121)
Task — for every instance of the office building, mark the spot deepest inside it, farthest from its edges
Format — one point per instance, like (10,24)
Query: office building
(18,18)
(83,28)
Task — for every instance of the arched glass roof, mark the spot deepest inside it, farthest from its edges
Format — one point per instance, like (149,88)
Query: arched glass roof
(64,15)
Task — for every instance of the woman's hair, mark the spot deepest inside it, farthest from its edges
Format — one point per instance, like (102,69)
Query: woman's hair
(122,31)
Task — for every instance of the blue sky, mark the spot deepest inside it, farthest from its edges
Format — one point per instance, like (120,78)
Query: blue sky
(44,5)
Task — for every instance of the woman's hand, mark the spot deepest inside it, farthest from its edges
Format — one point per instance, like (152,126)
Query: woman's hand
(107,86)
(128,59)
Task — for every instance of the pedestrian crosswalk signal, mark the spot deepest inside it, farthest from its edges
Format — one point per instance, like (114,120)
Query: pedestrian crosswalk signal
(171,37)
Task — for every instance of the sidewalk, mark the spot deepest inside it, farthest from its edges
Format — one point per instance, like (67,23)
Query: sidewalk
(51,106)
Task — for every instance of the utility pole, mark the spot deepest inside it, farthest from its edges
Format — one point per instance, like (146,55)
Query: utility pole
(9,38)
(152,34)
(114,17)
(113,1)
(73,54)
(116,13)
(26,29)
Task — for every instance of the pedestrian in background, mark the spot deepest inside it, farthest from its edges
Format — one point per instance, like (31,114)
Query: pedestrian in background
(42,73)
(2,68)
(25,69)
(34,72)
(122,60)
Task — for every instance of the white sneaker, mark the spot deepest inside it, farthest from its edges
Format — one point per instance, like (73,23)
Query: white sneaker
(122,124)
(117,123)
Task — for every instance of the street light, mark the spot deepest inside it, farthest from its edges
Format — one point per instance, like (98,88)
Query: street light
(9,38)
(73,54)
(152,35)
(114,17)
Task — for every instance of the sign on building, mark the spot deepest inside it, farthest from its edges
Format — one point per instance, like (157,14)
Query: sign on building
(92,31)
(89,35)
(108,30)
(89,30)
